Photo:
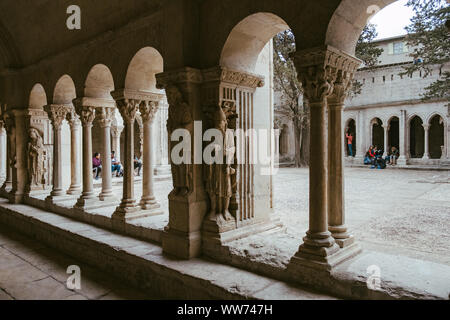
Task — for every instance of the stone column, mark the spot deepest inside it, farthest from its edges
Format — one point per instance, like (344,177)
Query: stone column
(148,202)
(3,152)
(105,123)
(7,184)
(19,156)
(128,209)
(402,138)
(87,198)
(57,114)
(75,161)
(426,154)
(277,146)
(317,70)
(116,131)
(360,138)
(386,136)
(336,201)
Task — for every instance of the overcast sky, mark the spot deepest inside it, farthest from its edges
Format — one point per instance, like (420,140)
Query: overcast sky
(392,20)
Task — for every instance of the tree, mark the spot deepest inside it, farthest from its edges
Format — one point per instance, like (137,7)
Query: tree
(290,89)
(428,34)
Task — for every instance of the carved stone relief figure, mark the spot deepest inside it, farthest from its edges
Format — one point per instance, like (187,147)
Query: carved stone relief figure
(36,158)
(180,117)
(218,175)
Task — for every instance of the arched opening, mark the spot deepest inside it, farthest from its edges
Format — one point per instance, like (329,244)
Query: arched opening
(416,137)
(377,133)
(350,128)
(436,137)
(142,70)
(394,133)
(63,94)
(38,97)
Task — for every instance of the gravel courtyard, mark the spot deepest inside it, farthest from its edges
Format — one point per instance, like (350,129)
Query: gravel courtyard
(393,211)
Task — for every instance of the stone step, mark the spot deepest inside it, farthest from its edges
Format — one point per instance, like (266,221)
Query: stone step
(143,264)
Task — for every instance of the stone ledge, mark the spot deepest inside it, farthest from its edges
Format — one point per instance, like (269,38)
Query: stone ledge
(142,264)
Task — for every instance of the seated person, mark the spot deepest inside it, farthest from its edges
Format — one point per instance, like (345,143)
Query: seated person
(97,165)
(370,155)
(137,164)
(116,166)
(393,156)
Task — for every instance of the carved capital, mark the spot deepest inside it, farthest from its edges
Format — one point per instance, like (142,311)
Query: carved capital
(73,118)
(233,77)
(57,114)
(319,69)
(105,117)
(148,110)
(116,131)
(426,127)
(87,115)
(341,89)
(128,109)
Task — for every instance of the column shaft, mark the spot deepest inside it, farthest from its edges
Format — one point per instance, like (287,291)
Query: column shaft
(148,112)
(75,166)
(105,123)
(426,154)
(87,115)
(57,162)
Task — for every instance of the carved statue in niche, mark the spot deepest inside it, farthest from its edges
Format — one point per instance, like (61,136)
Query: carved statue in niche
(180,117)
(219,175)
(36,158)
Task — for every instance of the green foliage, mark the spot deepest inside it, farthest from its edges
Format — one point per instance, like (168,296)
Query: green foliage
(430,38)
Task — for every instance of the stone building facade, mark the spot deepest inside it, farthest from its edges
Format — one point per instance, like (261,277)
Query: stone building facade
(389,112)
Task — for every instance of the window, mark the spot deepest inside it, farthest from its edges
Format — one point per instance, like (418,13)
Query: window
(398,47)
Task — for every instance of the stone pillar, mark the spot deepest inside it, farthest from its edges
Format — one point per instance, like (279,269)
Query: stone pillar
(57,114)
(187,202)
(7,184)
(116,131)
(19,157)
(127,209)
(87,198)
(360,138)
(386,136)
(3,152)
(75,159)
(402,139)
(317,70)
(148,202)
(105,123)
(277,146)
(336,201)
(426,154)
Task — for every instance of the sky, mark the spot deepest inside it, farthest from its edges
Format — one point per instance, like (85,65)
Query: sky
(392,20)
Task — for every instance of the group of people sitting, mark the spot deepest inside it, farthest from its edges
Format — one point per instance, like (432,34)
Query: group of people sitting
(116,165)
(374,157)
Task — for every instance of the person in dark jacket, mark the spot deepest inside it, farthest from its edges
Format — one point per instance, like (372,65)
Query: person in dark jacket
(97,165)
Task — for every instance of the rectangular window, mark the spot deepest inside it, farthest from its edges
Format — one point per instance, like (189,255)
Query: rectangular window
(398,48)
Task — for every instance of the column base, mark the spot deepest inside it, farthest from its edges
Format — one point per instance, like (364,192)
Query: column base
(153,208)
(215,236)
(16,198)
(5,190)
(402,161)
(52,200)
(359,158)
(162,170)
(126,214)
(88,203)
(75,190)
(309,268)
(109,198)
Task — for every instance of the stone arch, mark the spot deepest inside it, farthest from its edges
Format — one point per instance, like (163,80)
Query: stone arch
(436,136)
(416,136)
(376,125)
(38,97)
(349,20)
(393,132)
(248,38)
(65,91)
(350,127)
(99,83)
(142,69)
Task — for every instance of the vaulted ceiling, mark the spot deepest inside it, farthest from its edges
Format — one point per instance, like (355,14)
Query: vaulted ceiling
(31,30)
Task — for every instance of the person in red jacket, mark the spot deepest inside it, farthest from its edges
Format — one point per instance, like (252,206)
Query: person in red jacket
(349,137)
